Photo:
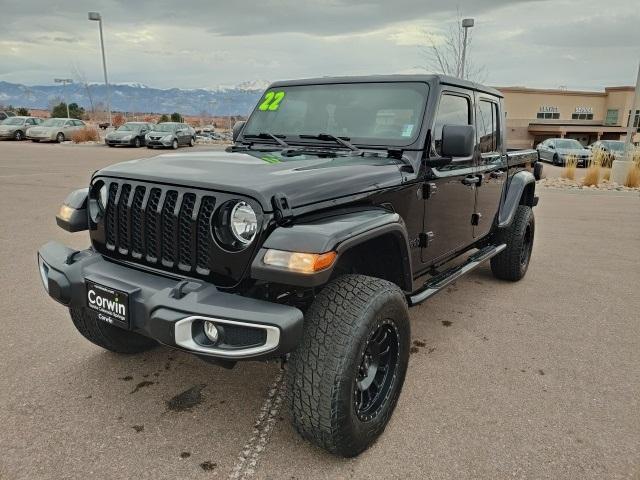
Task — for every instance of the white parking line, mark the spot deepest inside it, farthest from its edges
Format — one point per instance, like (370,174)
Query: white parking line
(245,466)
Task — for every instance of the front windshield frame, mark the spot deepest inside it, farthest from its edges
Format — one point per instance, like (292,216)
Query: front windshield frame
(422,87)
(568,143)
(53,122)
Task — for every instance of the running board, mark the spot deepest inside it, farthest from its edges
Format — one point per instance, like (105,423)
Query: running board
(440,281)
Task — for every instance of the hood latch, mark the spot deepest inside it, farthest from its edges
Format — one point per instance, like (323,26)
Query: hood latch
(282,209)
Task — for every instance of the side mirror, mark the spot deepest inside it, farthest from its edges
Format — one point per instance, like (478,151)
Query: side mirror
(237,128)
(552,147)
(458,140)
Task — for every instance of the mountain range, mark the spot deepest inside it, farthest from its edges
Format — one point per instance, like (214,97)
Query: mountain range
(136,97)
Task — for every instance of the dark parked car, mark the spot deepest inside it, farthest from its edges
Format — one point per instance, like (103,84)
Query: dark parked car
(16,127)
(342,202)
(170,135)
(131,134)
(557,150)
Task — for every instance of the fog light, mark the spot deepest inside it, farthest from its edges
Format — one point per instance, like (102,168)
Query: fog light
(44,273)
(211,331)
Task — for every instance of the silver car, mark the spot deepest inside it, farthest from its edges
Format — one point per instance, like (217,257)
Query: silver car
(55,130)
(16,127)
(614,149)
(556,150)
(171,135)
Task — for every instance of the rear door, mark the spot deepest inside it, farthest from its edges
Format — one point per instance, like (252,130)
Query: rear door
(491,164)
(450,205)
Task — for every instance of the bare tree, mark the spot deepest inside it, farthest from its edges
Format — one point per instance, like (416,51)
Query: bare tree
(81,78)
(444,54)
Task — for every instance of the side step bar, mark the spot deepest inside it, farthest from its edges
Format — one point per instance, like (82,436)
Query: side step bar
(440,281)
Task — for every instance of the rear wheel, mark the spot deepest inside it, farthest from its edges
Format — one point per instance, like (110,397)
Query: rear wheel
(346,376)
(512,263)
(60,137)
(107,336)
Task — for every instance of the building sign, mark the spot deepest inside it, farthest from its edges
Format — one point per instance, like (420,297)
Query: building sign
(584,110)
(548,109)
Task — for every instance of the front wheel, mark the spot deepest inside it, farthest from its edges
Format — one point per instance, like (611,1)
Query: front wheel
(60,137)
(512,263)
(18,135)
(347,373)
(556,160)
(192,142)
(137,142)
(174,144)
(107,336)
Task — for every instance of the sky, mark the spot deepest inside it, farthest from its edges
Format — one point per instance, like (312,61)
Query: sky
(577,44)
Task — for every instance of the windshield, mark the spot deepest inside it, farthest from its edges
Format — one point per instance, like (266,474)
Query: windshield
(53,122)
(365,113)
(164,127)
(614,145)
(568,144)
(12,121)
(128,127)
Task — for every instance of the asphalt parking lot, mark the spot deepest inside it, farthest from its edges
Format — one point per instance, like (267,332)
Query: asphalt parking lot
(539,379)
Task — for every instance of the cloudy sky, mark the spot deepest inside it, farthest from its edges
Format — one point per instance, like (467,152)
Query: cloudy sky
(205,43)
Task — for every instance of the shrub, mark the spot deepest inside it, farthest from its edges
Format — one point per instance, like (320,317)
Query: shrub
(606,174)
(87,134)
(118,119)
(570,165)
(633,176)
(592,175)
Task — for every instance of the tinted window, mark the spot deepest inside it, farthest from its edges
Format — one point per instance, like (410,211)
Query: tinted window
(487,125)
(453,110)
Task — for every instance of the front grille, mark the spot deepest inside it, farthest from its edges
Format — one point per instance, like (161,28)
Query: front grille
(160,226)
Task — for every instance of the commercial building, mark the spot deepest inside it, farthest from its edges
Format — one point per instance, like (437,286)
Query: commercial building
(534,115)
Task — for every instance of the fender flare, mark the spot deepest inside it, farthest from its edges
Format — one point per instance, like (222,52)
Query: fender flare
(334,232)
(520,191)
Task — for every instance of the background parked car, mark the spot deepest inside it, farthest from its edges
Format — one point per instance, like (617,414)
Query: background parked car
(16,127)
(55,130)
(170,135)
(556,150)
(613,149)
(131,134)
(6,114)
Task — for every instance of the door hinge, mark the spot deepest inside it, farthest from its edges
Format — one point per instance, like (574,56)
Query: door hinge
(426,239)
(475,218)
(429,190)
(282,209)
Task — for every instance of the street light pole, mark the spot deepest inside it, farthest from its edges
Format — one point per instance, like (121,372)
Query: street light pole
(467,23)
(95,16)
(64,82)
(620,168)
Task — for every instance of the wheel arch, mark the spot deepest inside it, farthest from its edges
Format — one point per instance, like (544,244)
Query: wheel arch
(520,191)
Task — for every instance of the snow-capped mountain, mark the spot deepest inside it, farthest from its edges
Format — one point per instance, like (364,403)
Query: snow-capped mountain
(133,96)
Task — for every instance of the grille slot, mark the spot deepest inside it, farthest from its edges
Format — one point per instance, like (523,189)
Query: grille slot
(160,226)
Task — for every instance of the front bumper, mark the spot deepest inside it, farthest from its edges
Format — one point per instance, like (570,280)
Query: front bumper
(170,310)
(117,141)
(158,143)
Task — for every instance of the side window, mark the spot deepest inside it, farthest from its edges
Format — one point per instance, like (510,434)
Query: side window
(453,110)
(487,125)
(30,121)
(79,123)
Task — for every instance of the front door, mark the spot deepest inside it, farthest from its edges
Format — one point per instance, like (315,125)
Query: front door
(491,165)
(451,195)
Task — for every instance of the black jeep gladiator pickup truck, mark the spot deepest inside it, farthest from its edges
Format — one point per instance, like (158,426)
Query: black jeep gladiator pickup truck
(341,203)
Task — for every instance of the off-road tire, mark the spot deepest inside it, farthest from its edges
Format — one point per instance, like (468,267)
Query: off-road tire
(107,336)
(323,370)
(512,263)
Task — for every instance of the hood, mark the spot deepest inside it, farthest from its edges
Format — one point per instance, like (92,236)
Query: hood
(574,151)
(121,134)
(260,175)
(157,133)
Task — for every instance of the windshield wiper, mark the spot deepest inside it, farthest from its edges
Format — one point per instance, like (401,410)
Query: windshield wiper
(265,135)
(344,141)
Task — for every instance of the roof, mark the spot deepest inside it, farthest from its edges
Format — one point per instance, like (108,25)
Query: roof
(431,79)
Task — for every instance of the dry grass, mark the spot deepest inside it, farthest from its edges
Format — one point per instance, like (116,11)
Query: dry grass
(633,176)
(570,166)
(606,174)
(594,170)
(87,134)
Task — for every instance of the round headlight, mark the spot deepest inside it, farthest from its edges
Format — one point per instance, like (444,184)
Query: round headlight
(243,223)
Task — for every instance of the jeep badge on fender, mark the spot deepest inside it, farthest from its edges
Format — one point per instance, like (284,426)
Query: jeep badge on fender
(341,203)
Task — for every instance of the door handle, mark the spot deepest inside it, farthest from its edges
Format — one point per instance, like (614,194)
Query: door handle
(471,180)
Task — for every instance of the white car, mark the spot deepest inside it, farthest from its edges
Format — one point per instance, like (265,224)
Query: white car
(55,130)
